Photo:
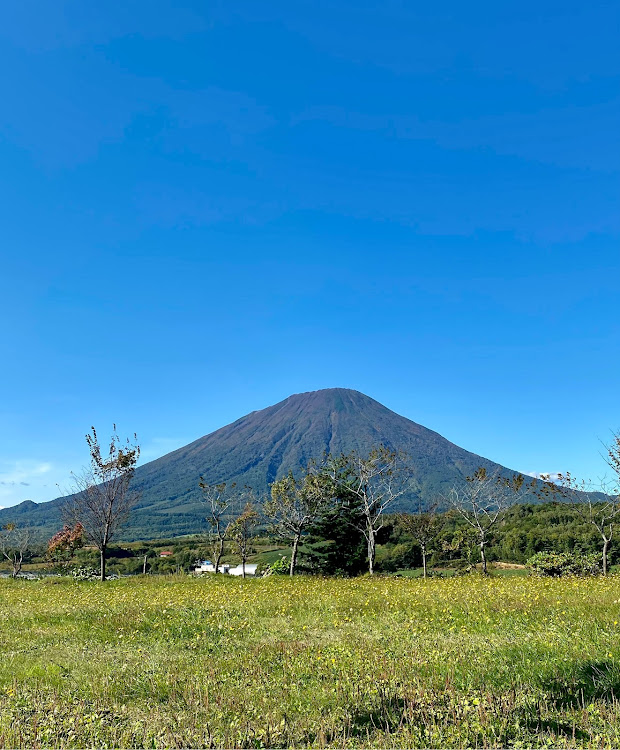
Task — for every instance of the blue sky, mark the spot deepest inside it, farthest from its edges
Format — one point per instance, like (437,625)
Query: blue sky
(208,206)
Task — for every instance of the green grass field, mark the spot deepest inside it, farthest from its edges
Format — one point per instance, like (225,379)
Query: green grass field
(389,662)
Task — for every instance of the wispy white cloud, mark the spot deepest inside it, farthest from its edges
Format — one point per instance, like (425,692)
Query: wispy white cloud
(19,471)
(27,479)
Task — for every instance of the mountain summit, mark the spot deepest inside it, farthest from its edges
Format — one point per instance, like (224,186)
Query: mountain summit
(264,445)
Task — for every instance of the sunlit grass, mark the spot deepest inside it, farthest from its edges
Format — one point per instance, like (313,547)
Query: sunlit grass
(464,661)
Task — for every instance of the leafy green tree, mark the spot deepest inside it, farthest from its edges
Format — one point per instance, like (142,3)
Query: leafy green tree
(294,505)
(335,545)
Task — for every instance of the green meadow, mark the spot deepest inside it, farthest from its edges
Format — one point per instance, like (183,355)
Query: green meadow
(310,662)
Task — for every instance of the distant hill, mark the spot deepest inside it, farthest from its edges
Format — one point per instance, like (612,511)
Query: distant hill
(266,444)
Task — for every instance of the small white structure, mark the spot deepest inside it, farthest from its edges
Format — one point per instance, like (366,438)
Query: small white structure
(206,566)
(250,570)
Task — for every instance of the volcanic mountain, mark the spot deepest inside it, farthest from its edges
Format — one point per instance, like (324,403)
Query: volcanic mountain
(264,445)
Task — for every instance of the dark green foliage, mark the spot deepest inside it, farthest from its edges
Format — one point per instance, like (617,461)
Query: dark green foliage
(279,567)
(529,529)
(558,564)
(334,544)
(526,530)
(403,556)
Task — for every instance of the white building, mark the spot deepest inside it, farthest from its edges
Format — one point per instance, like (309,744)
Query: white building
(206,566)
(250,570)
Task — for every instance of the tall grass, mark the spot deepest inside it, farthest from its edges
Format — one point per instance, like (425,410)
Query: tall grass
(223,662)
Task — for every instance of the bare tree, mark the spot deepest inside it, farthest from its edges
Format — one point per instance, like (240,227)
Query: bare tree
(602,515)
(375,482)
(14,541)
(613,458)
(294,505)
(103,496)
(598,505)
(218,499)
(423,526)
(242,530)
(483,500)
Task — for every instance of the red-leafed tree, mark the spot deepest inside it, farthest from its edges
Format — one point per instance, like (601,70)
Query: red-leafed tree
(63,545)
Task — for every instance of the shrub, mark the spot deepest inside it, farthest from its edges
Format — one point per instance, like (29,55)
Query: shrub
(564,564)
(86,573)
(279,567)
(393,557)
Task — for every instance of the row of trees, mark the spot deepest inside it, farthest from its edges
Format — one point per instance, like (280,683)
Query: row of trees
(484,501)
(359,491)
(352,489)
(362,487)
(598,505)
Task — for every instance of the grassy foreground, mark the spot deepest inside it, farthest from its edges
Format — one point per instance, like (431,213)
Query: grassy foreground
(166,662)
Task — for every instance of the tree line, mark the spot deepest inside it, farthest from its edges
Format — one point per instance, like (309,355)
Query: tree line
(334,512)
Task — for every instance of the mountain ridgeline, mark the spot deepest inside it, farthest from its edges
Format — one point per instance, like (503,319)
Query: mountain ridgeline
(263,446)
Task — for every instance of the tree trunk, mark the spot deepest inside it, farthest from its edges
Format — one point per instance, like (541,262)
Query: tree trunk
(605,549)
(218,554)
(483,556)
(102,564)
(144,565)
(371,551)
(294,555)
(17,566)
(424,560)
(243,565)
